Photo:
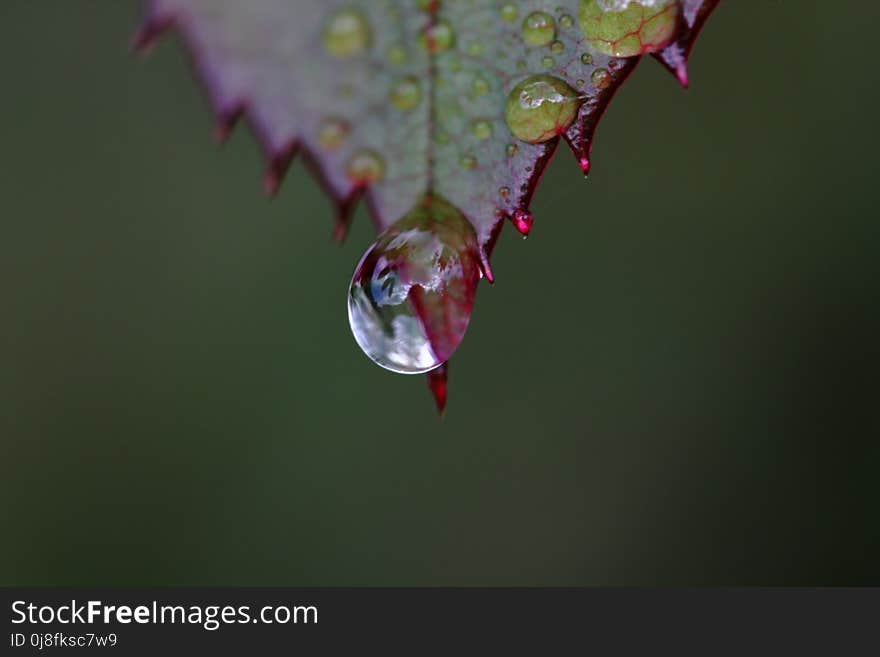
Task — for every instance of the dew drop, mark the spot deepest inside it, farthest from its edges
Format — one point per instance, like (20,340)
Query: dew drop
(480,86)
(627,28)
(539,29)
(437,38)
(397,55)
(504,192)
(468,162)
(547,61)
(600,78)
(475,49)
(586,59)
(557,47)
(481,129)
(566,20)
(365,168)
(509,13)
(347,34)
(406,94)
(332,133)
(411,296)
(539,108)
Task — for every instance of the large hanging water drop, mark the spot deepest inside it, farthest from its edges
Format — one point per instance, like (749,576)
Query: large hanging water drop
(627,28)
(412,293)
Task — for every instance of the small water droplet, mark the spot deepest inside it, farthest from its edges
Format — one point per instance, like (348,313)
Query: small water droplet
(411,296)
(468,162)
(580,82)
(504,191)
(397,55)
(557,47)
(437,38)
(547,61)
(586,59)
(539,29)
(347,34)
(365,168)
(480,86)
(539,108)
(475,49)
(523,221)
(406,94)
(332,133)
(600,78)
(509,13)
(566,20)
(481,129)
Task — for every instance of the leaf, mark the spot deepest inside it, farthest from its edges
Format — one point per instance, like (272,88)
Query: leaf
(396,100)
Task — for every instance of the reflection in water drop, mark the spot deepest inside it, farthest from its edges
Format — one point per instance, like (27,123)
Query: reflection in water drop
(411,295)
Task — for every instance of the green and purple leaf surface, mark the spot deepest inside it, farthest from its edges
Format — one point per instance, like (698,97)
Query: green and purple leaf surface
(397,101)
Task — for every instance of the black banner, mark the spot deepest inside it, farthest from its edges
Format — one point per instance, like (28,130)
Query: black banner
(451,621)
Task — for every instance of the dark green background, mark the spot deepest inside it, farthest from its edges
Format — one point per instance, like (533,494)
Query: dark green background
(674,381)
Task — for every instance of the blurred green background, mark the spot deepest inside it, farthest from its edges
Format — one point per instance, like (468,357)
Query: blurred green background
(674,381)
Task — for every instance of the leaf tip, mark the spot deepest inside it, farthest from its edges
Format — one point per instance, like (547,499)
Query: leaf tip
(437,384)
(148,33)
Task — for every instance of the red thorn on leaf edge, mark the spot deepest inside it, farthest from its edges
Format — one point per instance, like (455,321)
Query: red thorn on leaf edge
(344,214)
(585,166)
(485,267)
(226,122)
(277,169)
(681,72)
(523,221)
(149,32)
(437,384)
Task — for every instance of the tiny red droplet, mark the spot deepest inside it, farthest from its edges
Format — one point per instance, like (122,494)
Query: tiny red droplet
(523,220)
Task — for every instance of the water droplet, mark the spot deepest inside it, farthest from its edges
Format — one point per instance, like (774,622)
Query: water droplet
(539,29)
(437,38)
(347,34)
(412,293)
(547,61)
(566,20)
(600,78)
(627,28)
(482,129)
(468,162)
(523,220)
(504,191)
(580,82)
(586,59)
(332,133)
(365,168)
(475,49)
(397,55)
(509,13)
(557,47)
(406,94)
(480,86)
(540,108)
